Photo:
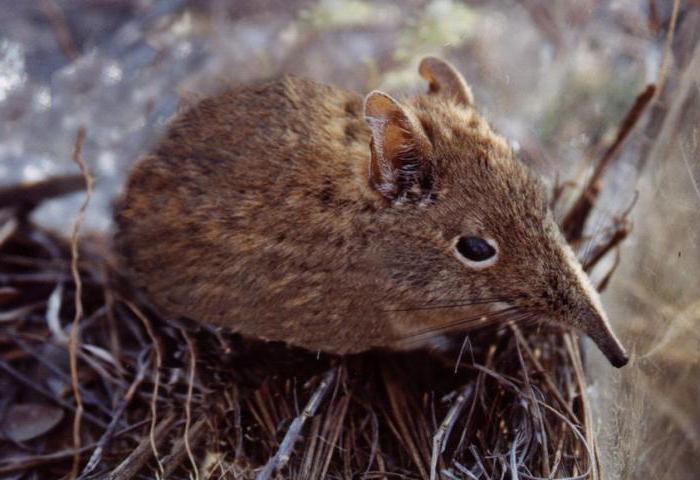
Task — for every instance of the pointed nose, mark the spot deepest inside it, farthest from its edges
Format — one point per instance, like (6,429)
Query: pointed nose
(584,310)
(595,325)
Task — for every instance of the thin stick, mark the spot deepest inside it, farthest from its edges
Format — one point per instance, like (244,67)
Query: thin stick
(19,376)
(399,409)
(60,28)
(537,413)
(575,219)
(156,380)
(443,433)
(23,463)
(28,196)
(75,328)
(8,229)
(590,440)
(188,403)
(96,456)
(663,69)
(541,370)
(281,457)
(338,417)
(179,450)
(139,456)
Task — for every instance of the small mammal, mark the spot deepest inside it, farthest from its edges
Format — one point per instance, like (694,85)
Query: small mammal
(299,212)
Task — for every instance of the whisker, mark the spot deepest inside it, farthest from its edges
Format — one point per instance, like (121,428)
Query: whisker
(487,319)
(453,304)
(501,317)
(499,325)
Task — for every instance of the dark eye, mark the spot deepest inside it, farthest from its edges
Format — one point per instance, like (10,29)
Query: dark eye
(475,249)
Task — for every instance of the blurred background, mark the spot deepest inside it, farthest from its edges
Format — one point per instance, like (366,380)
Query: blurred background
(555,78)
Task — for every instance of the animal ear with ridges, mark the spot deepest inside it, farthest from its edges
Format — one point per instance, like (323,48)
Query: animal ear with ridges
(400,150)
(444,79)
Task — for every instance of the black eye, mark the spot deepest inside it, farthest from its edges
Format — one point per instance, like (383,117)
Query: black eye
(475,249)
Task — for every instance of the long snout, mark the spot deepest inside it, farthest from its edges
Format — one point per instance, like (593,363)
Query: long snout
(596,326)
(585,311)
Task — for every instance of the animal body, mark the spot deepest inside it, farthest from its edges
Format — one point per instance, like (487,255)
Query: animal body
(300,212)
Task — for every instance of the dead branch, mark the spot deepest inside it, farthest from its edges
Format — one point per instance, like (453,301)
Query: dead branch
(180,448)
(443,433)
(73,339)
(575,220)
(132,464)
(281,457)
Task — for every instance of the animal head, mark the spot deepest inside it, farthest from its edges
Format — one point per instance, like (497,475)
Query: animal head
(466,222)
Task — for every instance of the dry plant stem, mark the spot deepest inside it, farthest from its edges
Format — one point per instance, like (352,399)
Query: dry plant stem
(96,456)
(28,196)
(620,233)
(132,464)
(443,433)
(338,418)
(86,394)
(60,28)
(8,229)
(575,219)
(281,457)
(188,403)
(156,380)
(235,399)
(114,343)
(665,59)
(73,339)
(401,430)
(20,312)
(575,355)
(540,369)
(17,375)
(534,406)
(180,450)
(603,285)
(25,463)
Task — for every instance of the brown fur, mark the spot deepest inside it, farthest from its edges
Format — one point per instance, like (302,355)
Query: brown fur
(258,212)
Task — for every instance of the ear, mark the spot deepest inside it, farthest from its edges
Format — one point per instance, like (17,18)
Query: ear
(444,79)
(400,150)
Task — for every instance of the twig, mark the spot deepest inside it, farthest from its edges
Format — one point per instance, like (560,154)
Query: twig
(8,294)
(590,440)
(188,403)
(96,456)
(620,233)
(398,408)
(22,464)
(60,28)
(29,196)
(443,433)
(541,370)
(338,418)
(180,449)
(575,219)
(281,457)
(8,229)
(17,375)
(114,343)
(140,455)
(73,340)
(156,380)
(56,370)
(537,413)
(665,59)
(53,310)
(20,312)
